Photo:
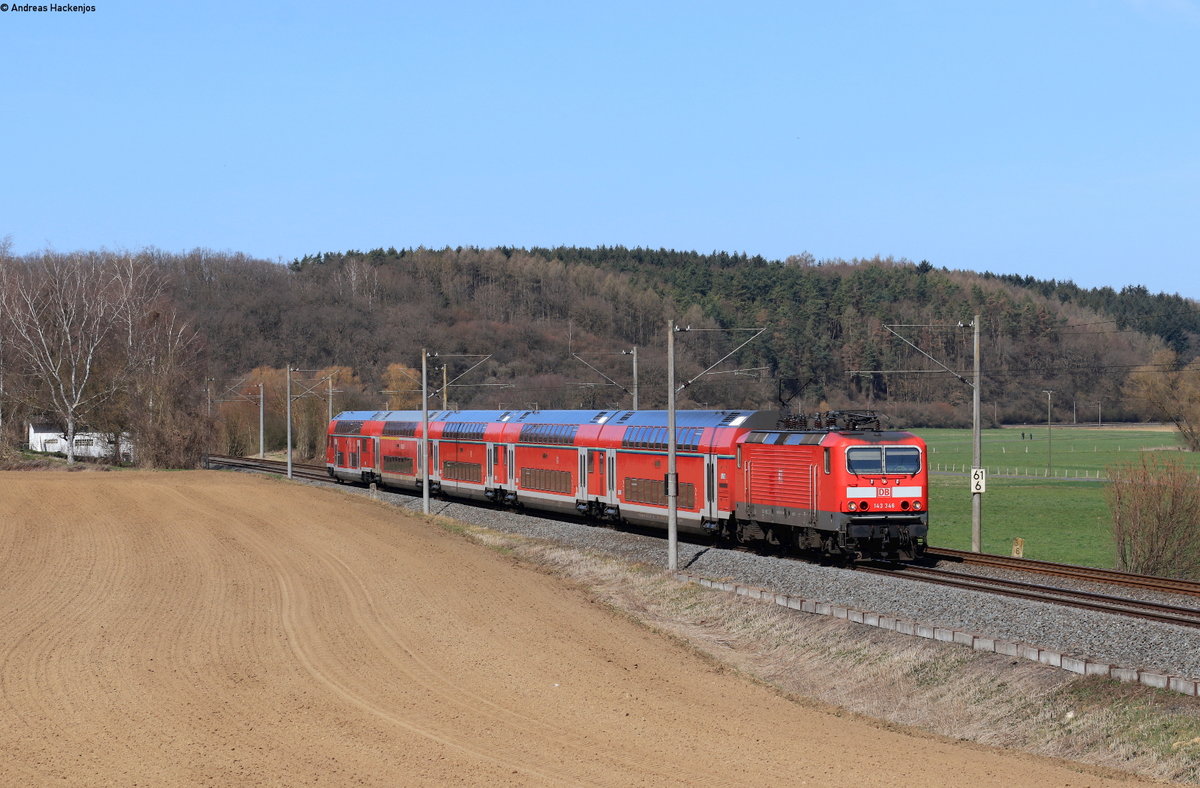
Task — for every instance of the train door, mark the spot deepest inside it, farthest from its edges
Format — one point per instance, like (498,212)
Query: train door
(614,485)
(748,487)
(369,450)
(708,510)
(343,453)
(597,472)
(725,474)
(814,485)
(581,487)
(499,464)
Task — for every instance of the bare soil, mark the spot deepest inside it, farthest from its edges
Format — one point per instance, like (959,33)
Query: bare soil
(223,629)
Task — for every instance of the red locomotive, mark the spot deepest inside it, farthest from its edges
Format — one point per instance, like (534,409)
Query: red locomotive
(835,483)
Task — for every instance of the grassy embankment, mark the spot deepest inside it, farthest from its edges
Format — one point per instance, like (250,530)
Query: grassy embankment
(1060,517)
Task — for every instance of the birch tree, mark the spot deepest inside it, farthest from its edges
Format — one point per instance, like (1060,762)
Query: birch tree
(60,312)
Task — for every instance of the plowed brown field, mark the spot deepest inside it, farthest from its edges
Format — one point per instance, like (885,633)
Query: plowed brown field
(221,629)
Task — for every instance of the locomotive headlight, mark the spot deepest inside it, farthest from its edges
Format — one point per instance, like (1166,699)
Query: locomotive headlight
(916,504)
(864,506)
(850,506)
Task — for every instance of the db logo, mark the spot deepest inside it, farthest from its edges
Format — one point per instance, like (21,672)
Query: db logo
(885,492)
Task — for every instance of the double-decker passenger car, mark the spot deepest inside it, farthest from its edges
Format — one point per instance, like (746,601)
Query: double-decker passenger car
(837,484)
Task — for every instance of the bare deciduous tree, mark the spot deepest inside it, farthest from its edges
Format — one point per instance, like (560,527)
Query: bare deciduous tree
(1170,393)
(1155,506)
(61,310)
(105,345)
(169,427)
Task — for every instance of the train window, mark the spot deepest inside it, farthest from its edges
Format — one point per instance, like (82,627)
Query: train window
(865,459)
(903,459)
(826,461)
(877,459)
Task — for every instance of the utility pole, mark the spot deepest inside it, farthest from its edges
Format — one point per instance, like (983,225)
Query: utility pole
(424,431)
(1049,435)
(289,421)
(261,444)
(976,453)
(635,375)
(445,388)
(977,472)
(329,401)
(672,480)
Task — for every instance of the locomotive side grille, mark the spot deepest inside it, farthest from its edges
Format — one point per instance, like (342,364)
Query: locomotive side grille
(782,477)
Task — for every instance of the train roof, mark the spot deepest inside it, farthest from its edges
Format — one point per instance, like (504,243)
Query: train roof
(745,419)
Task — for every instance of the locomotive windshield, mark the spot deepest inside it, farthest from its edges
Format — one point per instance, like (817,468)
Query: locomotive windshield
(864,460)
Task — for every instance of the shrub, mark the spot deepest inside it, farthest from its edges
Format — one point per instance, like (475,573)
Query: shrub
(1155,506)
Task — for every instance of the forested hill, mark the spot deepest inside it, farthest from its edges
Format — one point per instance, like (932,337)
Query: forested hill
(825,342)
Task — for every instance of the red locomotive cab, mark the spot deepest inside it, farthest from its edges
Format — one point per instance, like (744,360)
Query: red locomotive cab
(880,483)
(885,479)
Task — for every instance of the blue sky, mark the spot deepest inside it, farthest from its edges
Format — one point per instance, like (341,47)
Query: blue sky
(1058,139)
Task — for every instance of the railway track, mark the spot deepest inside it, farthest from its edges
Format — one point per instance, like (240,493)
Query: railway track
(1154,611)
(1085,600)
(1069,571)
(299,470)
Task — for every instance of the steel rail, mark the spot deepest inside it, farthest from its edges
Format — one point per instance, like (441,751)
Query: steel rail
(311,472)
(1085,573)
(1086,600)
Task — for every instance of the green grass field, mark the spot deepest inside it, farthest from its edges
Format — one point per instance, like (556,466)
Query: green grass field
(1032,494)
